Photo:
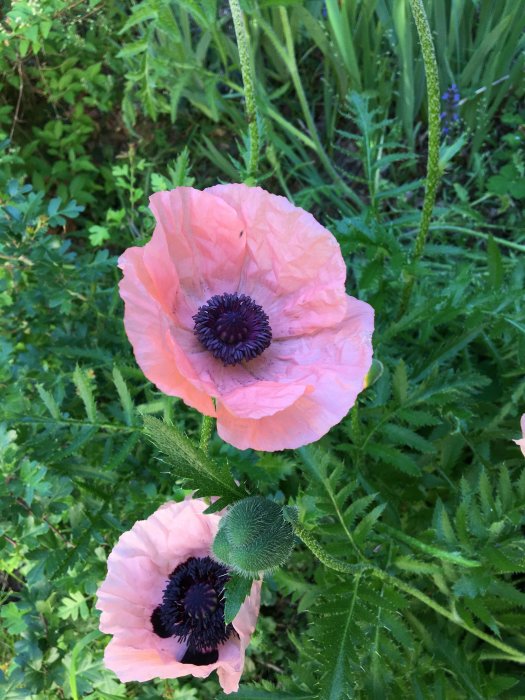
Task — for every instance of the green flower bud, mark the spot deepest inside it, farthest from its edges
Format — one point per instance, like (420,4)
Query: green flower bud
(254,537)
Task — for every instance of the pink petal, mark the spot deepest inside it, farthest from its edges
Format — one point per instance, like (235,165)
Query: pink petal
(150,330)
(333,365)
(203,237)
(293,266)
(143,664)
(265,398)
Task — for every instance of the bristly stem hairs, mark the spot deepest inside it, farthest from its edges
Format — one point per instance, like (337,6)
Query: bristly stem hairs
(243,44)
(434,106)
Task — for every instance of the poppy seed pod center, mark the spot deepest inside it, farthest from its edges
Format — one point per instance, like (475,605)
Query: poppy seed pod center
(232,327)
(200,600)
(192,609)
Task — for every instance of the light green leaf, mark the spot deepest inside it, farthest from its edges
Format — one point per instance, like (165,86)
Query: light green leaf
(83,384)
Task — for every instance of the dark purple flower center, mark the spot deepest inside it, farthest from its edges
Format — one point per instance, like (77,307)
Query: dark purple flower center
(232,327)
(192,609)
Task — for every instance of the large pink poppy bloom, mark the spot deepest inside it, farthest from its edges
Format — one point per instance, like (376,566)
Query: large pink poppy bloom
(162,600)
(521,443)
(238,306)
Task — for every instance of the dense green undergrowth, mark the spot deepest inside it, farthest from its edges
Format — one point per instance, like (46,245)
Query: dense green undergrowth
(102,105)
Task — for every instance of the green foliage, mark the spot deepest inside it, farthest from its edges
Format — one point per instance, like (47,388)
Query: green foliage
(363,47)
(376,156)
(55,67)
(416,501)
(508,182)
(162,50)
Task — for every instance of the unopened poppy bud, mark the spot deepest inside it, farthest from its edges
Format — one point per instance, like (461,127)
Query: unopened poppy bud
(254,537)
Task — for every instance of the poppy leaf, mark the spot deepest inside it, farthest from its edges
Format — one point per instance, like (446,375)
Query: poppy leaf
(236,590)
(190,464)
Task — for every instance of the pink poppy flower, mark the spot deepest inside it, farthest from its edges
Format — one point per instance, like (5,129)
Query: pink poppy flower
(162,600)
(238,306)
(521,443)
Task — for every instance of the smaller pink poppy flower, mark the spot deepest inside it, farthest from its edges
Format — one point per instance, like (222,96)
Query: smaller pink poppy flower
(521,443)
(163,601)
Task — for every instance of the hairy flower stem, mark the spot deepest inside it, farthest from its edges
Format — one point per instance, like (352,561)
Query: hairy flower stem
(357,569)
(243,44)
(206,430)
(323,556)
(433,170)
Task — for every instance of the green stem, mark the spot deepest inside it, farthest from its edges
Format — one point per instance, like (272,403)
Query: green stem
(357,569)
(206,430)
(433,98)
(323,556)
(243,44)
(72,421)
(516,655)
(454,557)
(478,234)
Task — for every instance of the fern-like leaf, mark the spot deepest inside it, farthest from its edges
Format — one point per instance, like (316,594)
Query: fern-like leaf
(191,465)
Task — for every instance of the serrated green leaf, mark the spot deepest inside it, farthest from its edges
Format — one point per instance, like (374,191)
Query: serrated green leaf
(124,395)
(84,390)
(418,417)
(140,13)
(400,383)
(357,508)
(404,436)
(505,489)
(134,48)
(216,506)
(478,607)
(123,453)
(73,606)
(49,401)
(190,464)
(364,528)
(394,457)
(443,526)
(235,592)
(339,636)
(485,495)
